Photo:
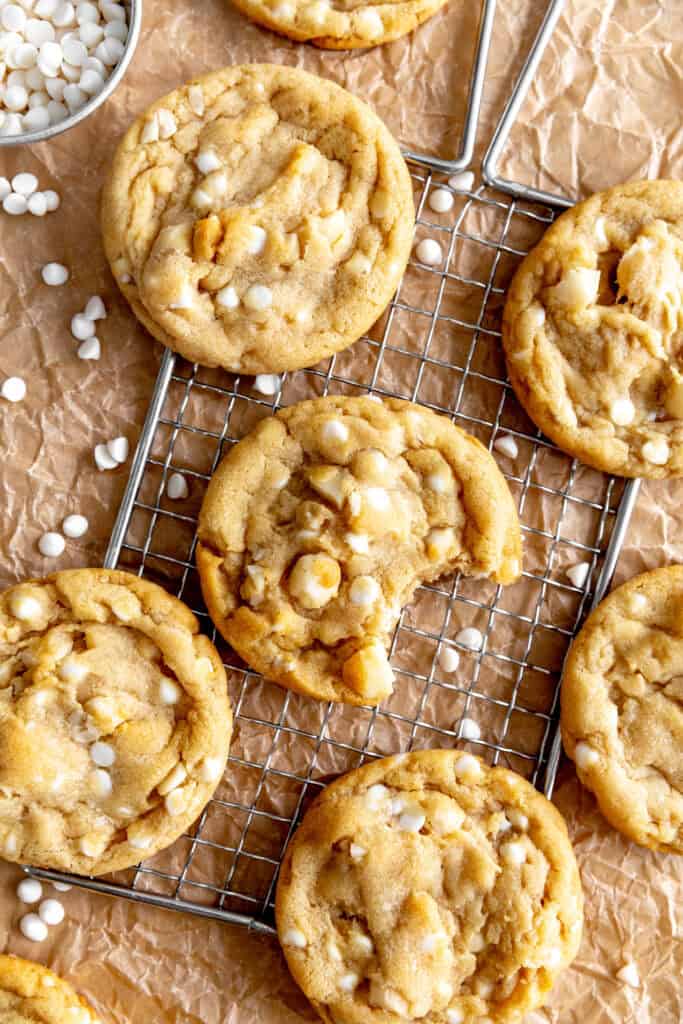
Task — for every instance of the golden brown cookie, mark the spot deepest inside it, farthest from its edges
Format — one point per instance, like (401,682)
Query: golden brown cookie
(319,525)
(30,994)
(114,720)
(258,219)
(341,25)
(592,330)
(622,707)
(428,886)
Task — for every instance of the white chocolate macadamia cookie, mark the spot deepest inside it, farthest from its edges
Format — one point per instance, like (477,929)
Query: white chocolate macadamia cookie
(114,721)
(593,330)
(318,526)
(429,887)
(31,994)
(259,219)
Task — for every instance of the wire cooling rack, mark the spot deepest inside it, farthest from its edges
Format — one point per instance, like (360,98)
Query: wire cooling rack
(438,344)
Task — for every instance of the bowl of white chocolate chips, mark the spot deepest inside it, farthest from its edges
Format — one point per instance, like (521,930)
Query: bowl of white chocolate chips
(59,60)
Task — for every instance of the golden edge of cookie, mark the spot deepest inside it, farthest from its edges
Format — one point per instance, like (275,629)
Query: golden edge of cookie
(159,605)
(556,847)
(402,24)
(580,443)
(29,980)
(603,778)
(242,628)
(113,220)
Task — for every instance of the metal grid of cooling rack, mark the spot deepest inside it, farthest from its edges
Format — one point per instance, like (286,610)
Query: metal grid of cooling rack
(438,344)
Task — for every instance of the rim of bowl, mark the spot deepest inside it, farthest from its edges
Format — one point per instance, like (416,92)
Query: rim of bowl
(42,135)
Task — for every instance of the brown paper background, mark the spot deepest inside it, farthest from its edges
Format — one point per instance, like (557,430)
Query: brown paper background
(605,107)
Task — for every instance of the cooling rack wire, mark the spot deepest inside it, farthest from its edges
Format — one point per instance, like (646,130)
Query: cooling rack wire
(438,344)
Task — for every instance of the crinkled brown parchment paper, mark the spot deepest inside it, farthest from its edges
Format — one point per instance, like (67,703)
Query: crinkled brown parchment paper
(605,107)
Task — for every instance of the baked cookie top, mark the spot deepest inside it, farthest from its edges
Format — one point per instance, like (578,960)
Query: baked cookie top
(258,218)
(30,994)
(318,526)
(114,720)
(592,330)
(340,24)
(429,886)
(622,707)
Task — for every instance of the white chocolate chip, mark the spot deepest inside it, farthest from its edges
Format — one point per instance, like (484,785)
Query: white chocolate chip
(447,820)
(54,274)
(267,383)
(32,928)
(75,526)
(364,591)
(387,999)
(600,235)
(462,182)
(118,449)
(657,451)
(314,581)
(169,691)
(95,309)
(168,125)
(622,411)
(176,487)
(449,658)
(258,297)
(440,541)
(13,389)
(71,670)
(51,912)
(51,545)
(184,299)
(411,820)
(103,459)
(585,755)
(429,942)
(368,23)
(577,289)
(349,982)
(467,767)
(228,297)
(334,431)
(358,542)
(513,854)
(506,445)
(89,847)
(102,783)
(454,1016)
(438,482)
(517,819)
(629,974)
(294,937)
(207,160)
(470,637)
(211,769)
(362,945)
(103,754)
(175,802)
(578,574)
(429,251)
(257,240)
(469,729)
(376,795)
(357,852)
(139,842)
(29,890)
(90,349)
(195,98)
(81,327)
(25,607)
(441,200)
(175,778)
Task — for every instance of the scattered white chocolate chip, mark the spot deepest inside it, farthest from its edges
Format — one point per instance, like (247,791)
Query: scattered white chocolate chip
(364,591)
(75,526)
(429,251)
(469,729)
(578,574)
(513,854)
(118,449)
(51,545)
(629,974)
(267,383)
(51,912)
(176,487)
(33,928)
(14,204)
(349,982)
(258,297)
(462,182)
(441,200)
(82,327)
(13,389)
(103,754)
(294,937)
(470,637)
(466,767)
(25,607)
(60,886)
(228,297)
(585,755)
(506,445)
(449,659)
(55,274)
(95,309)
(657,451)
(90,349)
(29,890)
(357,852)
(622,411)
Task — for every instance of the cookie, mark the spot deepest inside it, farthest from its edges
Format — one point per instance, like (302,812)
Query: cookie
(319,525)
(258,219)
(114,721)
(341,27)
(429,886)
(622,708)
(30,994)
(590,330)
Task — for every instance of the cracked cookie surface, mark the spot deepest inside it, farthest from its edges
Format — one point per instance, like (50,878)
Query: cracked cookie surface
(622,707)
(340,24)
(317,527)
(258,219)
(114,720)
(31,994)
(429,886)
(593,330)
